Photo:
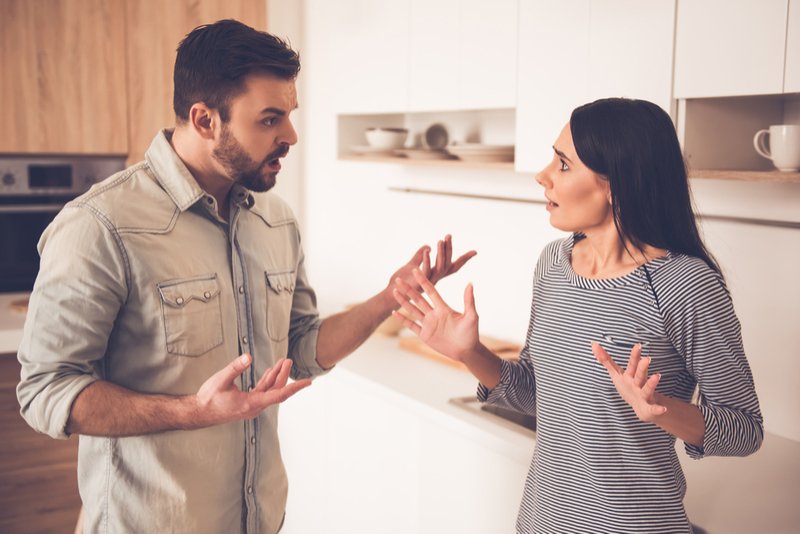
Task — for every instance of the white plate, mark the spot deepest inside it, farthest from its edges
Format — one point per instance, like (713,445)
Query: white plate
(363,150)
(486,158)
(477,147)
(422,153)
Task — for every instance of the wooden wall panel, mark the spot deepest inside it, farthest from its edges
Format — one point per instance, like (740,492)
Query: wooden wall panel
(63,76)
(154,30)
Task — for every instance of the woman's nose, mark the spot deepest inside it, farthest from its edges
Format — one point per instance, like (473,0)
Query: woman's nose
(541,178)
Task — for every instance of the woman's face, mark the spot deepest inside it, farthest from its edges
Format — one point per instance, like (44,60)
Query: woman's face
(579,198)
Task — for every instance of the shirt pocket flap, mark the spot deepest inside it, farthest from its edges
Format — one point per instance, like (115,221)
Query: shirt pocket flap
(179,293)
(279,281)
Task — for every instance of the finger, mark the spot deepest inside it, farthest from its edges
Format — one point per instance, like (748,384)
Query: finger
(633,361)
(231,372)
(411,295)
(426,263)
(418,255)
(275,396)
(270,375)
(406,322)
(459,263)
(429,290)
(439,269)
(469,301)
(641,372)
(649,388)
(448,252)
(605,359)
(411,311)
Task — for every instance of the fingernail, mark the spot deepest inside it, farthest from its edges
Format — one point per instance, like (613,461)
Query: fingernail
(244,358)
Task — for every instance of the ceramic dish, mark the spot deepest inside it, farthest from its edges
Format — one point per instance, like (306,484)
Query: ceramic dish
(423,153)
(366,150)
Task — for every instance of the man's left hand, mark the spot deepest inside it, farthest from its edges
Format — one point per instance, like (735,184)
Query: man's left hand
(444,265)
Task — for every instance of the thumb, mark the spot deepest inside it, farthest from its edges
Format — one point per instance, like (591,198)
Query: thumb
(238,366)
(469,301)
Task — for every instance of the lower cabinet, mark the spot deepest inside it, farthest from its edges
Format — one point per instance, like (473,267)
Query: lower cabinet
(361,460)
(38,474)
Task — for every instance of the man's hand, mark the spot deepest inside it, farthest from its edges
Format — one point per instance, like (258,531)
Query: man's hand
(219,400)
(444,265)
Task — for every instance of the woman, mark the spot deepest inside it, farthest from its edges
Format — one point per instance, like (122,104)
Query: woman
(629,314)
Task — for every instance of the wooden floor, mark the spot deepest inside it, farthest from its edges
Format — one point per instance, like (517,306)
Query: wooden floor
(38,475)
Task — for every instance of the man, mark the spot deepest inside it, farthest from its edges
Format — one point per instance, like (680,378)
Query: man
(152,281)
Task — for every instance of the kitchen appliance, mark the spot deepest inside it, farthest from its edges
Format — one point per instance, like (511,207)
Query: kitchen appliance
(32,191)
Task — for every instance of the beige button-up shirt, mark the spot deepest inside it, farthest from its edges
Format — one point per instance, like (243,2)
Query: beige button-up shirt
(143,285)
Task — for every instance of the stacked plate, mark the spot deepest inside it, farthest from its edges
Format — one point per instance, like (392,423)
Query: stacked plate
(423,153)
(479,153)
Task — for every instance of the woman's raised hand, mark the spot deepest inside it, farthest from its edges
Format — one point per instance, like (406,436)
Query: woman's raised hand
(439,326)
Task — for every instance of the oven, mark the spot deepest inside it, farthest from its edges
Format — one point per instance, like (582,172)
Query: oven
(32,191)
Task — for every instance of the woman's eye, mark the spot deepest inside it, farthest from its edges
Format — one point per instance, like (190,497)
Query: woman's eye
(564,166)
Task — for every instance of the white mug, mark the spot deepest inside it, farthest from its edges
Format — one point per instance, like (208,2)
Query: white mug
(784,146)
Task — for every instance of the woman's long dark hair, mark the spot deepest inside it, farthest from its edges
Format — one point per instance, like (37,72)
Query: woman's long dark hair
(633,144)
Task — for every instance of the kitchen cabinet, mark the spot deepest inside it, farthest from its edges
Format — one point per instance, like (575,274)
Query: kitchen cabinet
(571,53)
(462,54)
(38,475)
(725,48)
(791,77)
(63,84)
(370,54)
(95,76)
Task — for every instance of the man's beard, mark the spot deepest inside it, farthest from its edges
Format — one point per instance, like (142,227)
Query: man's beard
(240,167)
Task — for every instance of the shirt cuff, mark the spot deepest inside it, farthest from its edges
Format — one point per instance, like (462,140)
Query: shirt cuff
(304,357)
(497,393)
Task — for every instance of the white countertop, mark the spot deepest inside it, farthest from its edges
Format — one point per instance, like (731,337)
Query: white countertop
(756,494)
(11,323)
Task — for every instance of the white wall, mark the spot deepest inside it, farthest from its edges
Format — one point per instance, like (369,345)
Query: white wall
(357,232)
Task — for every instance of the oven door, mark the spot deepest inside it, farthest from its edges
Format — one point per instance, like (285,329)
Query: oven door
(21,224)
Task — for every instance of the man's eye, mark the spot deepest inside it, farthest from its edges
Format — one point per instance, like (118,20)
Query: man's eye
(564,166)
(271,121)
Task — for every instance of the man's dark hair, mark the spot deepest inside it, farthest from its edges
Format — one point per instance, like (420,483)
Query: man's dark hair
(214,59)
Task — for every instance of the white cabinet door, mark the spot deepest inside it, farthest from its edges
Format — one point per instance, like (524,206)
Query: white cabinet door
(462,54)
(488,47)
(466,487)
(728,48)
(371,55)
(572,52)
(791,81)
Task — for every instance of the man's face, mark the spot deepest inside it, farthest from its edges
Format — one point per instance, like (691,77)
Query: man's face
(258,133)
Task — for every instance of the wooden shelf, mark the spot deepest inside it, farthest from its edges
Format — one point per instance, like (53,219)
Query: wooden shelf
(451,163)
(749,176)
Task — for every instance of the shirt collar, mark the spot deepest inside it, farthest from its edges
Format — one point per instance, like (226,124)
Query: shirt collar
(171,172)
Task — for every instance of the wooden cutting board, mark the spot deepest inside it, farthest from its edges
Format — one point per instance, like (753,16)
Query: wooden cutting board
(19,306)
(505,349)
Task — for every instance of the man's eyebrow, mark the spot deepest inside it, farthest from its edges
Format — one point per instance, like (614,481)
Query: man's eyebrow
(277,111)
(561,154)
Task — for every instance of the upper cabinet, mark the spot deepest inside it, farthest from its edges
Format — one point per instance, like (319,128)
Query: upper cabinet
(63,83)
(726,48)
(370,53)
(573,52)
(791,78)
(424,55)
(95,76)
(463,54)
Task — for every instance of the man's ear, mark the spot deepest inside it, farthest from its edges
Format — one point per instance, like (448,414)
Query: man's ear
(203,120)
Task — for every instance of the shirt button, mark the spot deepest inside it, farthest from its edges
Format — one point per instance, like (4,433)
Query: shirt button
(179,300)
(209,200)
(250,490)
(244,340)
(241,289)
(207,295)
(253,440)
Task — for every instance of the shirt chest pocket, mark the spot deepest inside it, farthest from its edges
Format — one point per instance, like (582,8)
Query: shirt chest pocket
(280,293)
(192,315)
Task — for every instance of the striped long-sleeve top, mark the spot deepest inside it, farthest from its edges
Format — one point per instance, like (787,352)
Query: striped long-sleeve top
(597,467)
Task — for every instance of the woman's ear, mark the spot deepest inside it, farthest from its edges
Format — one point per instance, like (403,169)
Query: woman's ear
(202,120)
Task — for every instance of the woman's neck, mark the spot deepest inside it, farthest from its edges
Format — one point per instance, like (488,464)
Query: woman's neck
(603,254)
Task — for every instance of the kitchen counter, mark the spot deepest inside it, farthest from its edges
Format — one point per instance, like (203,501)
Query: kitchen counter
(11,323)
(725,495)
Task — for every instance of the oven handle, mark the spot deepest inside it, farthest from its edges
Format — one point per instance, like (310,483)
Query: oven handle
(32,208)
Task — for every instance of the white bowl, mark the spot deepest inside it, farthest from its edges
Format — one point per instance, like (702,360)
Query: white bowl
(386,138)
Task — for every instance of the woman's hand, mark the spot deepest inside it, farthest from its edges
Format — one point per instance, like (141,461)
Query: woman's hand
(439,326)
(632,383)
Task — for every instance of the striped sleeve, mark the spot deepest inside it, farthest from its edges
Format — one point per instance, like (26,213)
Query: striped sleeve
(702,325)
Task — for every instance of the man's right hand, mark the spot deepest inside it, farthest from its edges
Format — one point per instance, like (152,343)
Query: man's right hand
(219,400)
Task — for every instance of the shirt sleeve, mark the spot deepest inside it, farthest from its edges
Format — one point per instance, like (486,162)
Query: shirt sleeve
(304,327)
(80,288)
(704,328)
